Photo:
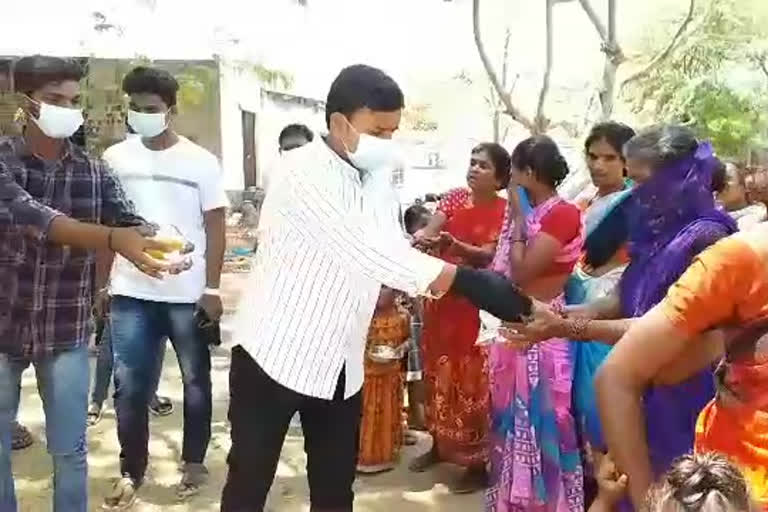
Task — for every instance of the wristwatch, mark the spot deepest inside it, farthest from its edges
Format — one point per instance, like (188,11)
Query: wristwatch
(212,291)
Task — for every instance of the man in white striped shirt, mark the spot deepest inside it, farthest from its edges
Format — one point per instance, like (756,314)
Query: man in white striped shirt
(300,333)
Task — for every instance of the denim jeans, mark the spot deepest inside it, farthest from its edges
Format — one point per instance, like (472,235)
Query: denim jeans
(62,381)
(102,377)
(139,328)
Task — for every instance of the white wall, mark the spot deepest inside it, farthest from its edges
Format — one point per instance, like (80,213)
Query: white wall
(275,114)
(240,90)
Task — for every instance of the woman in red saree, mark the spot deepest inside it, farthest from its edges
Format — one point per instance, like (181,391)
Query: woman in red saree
(464,230)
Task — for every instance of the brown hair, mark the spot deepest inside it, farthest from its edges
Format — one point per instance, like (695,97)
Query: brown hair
(703,482)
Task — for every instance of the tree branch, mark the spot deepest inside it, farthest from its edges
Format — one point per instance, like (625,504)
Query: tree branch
(595,19)
(613,58)
(541,121)
(761,61)
(505,98)
(505,61)
(661,56)
(614,55)
(607,36)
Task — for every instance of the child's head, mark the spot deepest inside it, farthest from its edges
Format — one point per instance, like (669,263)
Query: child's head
(386,299)
(705,482)
(415,218)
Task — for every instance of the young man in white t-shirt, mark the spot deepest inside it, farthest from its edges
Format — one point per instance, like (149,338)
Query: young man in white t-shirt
(172,182)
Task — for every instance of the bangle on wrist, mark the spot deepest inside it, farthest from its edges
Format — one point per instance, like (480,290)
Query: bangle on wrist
(212,291)
(577,327)
(109,239)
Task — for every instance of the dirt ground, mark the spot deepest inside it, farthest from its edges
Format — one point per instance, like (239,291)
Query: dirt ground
(398,490)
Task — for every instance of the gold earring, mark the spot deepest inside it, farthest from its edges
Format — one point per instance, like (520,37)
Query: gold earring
(20,117)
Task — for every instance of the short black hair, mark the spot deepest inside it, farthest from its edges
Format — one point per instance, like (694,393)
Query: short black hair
(541,154)
(615,134)
(662,144)
(415,217)
(719,177)
(145,80)
(500,158)
(361,86)
(295,130)
(31,74)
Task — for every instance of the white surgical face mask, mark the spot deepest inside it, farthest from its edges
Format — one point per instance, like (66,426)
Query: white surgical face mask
(375,154)
(146,124)
(58,122)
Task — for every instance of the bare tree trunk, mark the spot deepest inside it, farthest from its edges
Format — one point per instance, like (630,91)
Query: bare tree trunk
(504,97)
(595,19)
(541,122)
(614,55)
(613,59)
(497,138)
(497,127)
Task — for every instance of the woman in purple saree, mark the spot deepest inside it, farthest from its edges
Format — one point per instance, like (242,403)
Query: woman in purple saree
(672,217)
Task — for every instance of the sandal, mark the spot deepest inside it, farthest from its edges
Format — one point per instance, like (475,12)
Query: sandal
(21,437)
(94,414)
(410,438)
(161,406)
(473,480)
(376,469)
(424,461)
(123,495)
(194,476)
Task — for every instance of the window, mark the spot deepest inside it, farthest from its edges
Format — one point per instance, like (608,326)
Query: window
(398,177)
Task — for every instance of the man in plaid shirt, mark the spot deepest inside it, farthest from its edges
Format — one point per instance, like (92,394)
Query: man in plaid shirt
(56,208)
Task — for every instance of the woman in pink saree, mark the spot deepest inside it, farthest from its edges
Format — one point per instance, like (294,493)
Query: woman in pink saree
(535,457)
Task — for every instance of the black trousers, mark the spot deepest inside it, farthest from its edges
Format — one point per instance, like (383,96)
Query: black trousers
(260,412)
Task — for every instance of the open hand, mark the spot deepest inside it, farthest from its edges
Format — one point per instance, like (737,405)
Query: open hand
(445,240)
(513,200)
(133,243)
(544,323)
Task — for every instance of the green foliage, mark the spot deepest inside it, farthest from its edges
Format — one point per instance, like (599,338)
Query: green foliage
(273,77)
(734,121)
(195,83)
(694,86)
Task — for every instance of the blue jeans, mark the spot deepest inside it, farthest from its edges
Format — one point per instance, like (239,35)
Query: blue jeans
(139,329)
(62,380)
(104,363)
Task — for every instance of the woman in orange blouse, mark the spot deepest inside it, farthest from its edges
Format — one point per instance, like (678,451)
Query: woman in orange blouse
(727,285)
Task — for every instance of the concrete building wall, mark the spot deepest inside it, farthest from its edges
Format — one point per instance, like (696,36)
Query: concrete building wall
(277,111)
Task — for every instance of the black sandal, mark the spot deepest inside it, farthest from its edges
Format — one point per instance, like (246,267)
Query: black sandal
(161,406)
(21,437)
(122,496)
